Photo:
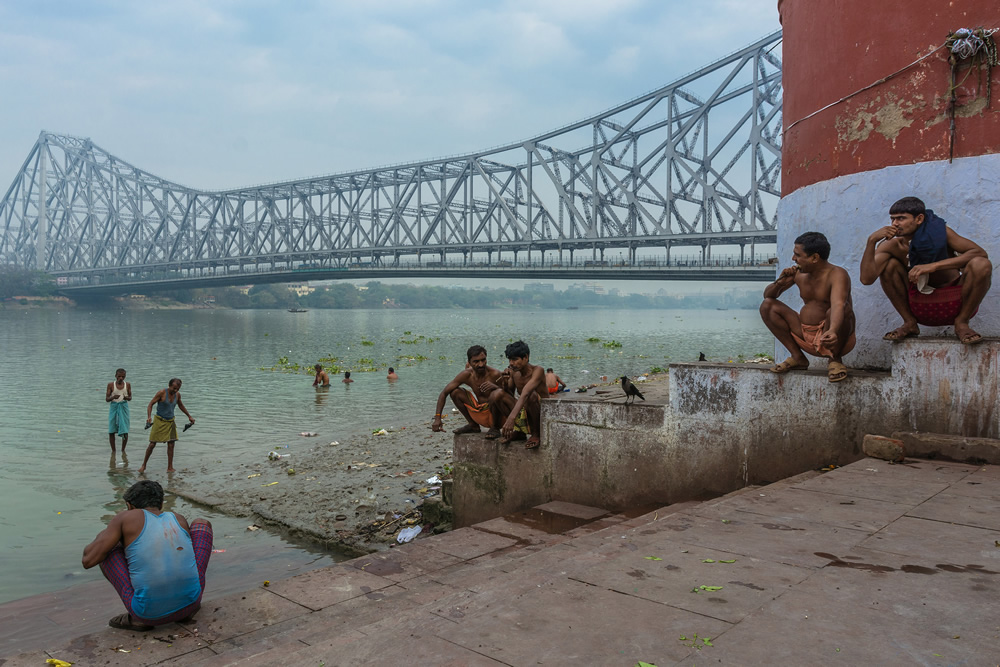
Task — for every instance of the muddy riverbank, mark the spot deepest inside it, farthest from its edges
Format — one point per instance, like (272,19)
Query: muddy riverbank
(354,496)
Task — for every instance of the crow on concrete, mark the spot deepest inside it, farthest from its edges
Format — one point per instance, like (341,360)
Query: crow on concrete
(631,391)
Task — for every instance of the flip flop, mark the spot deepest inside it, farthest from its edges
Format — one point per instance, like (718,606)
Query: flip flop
(971,339)
(492,434)
(124,622)
(532,443)
(836,371)
(897,334)
(789,365)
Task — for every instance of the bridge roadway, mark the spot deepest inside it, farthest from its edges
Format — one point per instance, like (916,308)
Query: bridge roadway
(167,278)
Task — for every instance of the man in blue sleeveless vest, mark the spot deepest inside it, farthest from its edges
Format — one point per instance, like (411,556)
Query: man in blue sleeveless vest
(164,427)
(931,275)
(154,560)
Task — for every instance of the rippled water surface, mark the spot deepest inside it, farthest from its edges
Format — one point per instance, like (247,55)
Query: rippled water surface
(59,488)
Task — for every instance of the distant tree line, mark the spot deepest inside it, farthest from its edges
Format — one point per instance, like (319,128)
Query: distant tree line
(377,295)
(15,281)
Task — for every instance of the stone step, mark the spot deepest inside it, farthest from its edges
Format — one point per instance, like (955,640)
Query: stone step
(382,607)
(965,449)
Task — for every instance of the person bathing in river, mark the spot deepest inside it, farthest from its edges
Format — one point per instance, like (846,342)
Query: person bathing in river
(522,415)
(825,325)
(154,559)
(473,404)
(391,376)
(322,377)
(553,382)
(931,275)
(117,395)
(347,378)
(164,427)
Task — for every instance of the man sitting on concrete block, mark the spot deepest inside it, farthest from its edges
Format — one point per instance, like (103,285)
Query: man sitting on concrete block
(825,326)
(931,275)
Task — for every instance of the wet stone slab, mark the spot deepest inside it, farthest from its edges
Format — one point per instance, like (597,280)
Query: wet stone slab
(788,541)
(888,489)
(806,628)
(568,622)
(980,512)
(734,585)
(239,614)
(322,588)
(403,563)
(826,508)
(466,543)
(938,541)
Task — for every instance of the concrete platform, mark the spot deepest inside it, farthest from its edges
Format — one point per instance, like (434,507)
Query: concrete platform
(867,564)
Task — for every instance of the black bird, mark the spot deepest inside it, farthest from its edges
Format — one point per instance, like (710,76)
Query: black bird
(701,356)
(631,391)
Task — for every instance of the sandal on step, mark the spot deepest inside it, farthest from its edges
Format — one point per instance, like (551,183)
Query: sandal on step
(836,371)
(789,365)
(124,622)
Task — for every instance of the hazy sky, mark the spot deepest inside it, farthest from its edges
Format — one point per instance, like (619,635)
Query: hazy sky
(224,94)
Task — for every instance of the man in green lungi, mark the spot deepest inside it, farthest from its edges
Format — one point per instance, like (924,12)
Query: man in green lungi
(164,428)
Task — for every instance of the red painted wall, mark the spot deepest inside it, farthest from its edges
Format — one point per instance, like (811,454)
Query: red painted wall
(833,48)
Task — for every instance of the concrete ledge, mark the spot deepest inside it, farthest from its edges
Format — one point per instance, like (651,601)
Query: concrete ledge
(950,447)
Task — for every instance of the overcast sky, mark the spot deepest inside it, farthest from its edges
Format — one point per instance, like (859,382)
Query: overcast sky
(225,94)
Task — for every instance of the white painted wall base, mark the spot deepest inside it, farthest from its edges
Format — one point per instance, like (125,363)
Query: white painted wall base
(965,193)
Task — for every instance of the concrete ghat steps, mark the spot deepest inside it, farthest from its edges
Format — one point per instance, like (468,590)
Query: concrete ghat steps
(818,569)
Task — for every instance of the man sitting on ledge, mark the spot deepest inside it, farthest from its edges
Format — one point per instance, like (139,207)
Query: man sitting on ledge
(153,559)
(931,275)
(825,326)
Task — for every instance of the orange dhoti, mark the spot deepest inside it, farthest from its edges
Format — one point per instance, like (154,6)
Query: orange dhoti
(480,412)
(810,342)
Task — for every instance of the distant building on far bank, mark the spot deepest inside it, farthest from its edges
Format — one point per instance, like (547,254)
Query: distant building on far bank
(588,287)
(301,289)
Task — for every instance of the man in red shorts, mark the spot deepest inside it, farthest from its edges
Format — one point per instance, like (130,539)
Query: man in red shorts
(931,275)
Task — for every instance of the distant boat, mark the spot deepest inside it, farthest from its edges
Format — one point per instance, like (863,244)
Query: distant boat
(298,310)
(722,309)
(572,307)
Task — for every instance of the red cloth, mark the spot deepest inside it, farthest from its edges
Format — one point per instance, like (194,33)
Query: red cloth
(115,570)
(939,308)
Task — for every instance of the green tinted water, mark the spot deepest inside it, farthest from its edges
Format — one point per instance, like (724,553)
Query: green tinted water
(58,489)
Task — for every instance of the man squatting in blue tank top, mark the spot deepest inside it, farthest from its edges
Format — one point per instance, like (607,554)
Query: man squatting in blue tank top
(164,428)
(153,559)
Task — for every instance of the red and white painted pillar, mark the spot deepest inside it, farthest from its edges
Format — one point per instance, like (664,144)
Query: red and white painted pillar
(867,120)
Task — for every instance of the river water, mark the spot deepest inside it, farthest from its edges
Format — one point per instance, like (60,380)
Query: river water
(58,487)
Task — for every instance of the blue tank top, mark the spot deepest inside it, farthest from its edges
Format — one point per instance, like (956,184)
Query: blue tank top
(162,567)
(165,408)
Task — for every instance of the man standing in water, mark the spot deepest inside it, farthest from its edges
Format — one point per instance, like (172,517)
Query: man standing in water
(825,326)
(164,428)
(322,378)
(155,561)
(473,405)
(523,415)
(118,394)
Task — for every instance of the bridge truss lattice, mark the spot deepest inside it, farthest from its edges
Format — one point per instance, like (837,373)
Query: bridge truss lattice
(650,172)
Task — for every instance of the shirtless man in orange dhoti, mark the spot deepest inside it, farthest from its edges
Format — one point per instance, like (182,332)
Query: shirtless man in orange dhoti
(825,325)
(474,405)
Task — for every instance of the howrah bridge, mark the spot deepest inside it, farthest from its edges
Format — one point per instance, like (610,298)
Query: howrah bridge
(644,190)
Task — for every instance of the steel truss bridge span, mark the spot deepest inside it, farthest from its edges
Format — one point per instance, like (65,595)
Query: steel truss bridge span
(640,179)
